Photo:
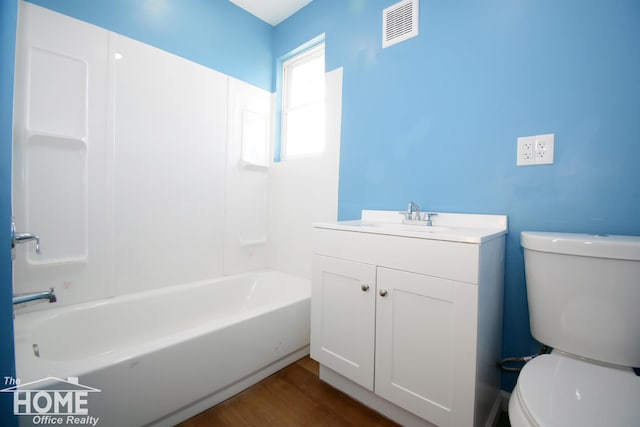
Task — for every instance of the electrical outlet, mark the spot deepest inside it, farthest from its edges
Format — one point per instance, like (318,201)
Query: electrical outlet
(526,154)
(544,149)
(535,150)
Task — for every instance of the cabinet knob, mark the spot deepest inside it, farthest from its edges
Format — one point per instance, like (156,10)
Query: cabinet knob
(364,288)
(383,292)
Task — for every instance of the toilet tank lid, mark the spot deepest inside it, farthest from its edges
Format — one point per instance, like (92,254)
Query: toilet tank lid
(591,245)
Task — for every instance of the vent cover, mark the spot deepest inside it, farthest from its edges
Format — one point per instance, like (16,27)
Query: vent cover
(399,22)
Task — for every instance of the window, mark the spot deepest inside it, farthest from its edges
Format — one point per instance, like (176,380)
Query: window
(303,103)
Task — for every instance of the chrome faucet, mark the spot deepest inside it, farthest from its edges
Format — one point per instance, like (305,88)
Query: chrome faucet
(427,218)
(45,295)
(27,237)
(17,238)
(411,209)
(413,215)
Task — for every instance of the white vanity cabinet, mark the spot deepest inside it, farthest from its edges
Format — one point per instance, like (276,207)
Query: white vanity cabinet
(343,297)
(425,344)
(410,325)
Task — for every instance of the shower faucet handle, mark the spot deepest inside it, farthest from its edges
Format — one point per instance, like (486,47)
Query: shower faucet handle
(23,238)
(27,237)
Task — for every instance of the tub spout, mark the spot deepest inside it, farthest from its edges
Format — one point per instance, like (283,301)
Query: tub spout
(46,295)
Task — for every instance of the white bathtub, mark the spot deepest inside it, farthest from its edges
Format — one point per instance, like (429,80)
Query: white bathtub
(162,356)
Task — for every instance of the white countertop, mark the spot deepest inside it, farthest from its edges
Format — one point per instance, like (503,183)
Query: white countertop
(453,227)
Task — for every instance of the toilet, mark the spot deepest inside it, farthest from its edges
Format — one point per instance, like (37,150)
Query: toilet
(584,302)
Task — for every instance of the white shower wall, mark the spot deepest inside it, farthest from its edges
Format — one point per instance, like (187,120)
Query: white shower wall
(170,155)
(62,153)
(246,241)
(139,170)
(128,163)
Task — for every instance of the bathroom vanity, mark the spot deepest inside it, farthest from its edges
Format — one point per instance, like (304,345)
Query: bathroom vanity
(408,318)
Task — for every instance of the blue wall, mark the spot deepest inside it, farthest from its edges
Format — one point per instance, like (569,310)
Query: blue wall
(435,119)
(214,33)
(8,17)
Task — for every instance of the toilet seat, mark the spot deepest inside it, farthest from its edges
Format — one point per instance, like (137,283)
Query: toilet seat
(561,391)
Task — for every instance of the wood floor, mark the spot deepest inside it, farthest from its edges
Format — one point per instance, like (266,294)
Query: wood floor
(294,396)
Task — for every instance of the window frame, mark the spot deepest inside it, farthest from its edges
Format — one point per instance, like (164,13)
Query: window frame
(308,52)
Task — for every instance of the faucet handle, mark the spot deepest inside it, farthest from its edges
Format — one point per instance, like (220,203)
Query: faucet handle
(426,216)
(25,237)
(22,238)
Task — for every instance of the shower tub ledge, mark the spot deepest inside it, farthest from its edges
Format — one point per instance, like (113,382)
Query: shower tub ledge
(162,356)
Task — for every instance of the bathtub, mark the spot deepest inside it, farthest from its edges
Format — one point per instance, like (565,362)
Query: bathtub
(162,356)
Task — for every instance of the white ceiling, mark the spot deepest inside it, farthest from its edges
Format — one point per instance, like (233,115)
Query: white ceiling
(272,11)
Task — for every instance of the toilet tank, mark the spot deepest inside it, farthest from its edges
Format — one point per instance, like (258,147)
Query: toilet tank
(584,294)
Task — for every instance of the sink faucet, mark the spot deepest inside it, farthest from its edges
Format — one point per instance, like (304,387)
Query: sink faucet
(411,209)
(413,215)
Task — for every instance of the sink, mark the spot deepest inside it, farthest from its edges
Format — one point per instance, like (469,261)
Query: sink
(426,228)
(406,227)
(467,228)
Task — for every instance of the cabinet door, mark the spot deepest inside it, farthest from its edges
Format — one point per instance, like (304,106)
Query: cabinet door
(343,317)
(425,345)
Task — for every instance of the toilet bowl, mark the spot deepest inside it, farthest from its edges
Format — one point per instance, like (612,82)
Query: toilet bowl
(583,293)
(563,391)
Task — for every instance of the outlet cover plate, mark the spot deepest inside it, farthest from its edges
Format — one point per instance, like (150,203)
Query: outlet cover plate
(543,149)
(525,150)
(535,150)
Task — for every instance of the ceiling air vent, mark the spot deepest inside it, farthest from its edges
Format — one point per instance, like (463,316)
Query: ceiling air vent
(399,22)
